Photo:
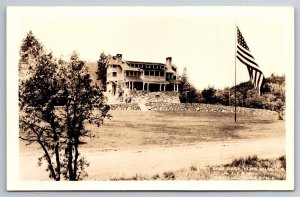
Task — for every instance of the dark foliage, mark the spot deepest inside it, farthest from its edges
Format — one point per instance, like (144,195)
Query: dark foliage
(56,101)
(102,64)
(209,95)
(188,93)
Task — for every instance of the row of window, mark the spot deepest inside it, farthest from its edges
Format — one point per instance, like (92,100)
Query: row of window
(154,73)
(149,66)
(146,73)
(132,73)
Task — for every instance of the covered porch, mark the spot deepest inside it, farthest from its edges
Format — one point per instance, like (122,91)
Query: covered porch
(151,86)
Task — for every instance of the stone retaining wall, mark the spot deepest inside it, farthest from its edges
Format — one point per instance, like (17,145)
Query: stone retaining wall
(163,106)
(149,97)
(204,108)
(125,106)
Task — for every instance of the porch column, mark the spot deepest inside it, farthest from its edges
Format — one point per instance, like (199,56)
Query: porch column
(143,86)
(165,87)
(160,87)
(174,87)
(129,84)
(147,86)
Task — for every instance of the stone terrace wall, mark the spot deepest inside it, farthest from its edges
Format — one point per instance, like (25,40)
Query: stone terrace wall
(150,97)
(125,106)
(155,106)
(204,108)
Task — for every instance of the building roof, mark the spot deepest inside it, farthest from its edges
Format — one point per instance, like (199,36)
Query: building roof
(126,67)
(139,62)
(114,61)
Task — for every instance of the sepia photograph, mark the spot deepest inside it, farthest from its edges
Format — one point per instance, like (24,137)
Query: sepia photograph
(150,98)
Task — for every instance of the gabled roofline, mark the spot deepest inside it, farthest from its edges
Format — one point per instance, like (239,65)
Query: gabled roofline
(140,62)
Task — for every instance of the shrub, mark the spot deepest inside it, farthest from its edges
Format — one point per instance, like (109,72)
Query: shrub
(169,175)
(193,168)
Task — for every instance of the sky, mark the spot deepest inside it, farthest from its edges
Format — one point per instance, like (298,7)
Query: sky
(202,39)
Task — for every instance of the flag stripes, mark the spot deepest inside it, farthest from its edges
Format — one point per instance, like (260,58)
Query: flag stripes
(243,54)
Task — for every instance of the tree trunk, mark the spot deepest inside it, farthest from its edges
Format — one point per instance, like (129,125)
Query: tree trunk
(57,161)
(70,158)
(76,158)
(48,160)
(47,156)
(56,149)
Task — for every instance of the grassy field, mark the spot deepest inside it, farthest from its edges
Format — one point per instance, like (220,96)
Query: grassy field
(172,128)
(249,168)
(176,145)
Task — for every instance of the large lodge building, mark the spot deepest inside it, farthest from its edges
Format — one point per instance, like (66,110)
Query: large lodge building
(136,75)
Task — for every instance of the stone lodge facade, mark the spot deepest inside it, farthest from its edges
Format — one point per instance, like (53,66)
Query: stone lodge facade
(136,75)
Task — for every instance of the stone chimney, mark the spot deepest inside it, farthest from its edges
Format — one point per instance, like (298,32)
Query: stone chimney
(169,62)
(119,56)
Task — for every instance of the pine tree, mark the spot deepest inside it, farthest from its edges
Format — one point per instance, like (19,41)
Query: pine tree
(31,49)
(188,93)
(102,70)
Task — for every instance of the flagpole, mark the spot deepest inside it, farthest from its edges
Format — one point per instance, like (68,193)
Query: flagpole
(235,74)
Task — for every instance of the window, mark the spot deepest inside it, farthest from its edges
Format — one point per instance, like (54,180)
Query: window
(114,74)
(161,67)
(146,72)
(174,77)
(114,66)
(151,73)
(162,73)
(148,66)
(169,76)
(155,66)
(156,73)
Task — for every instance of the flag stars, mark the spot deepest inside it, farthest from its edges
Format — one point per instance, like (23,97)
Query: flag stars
(241,40)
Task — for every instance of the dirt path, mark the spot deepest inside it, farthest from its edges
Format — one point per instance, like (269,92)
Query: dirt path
(105,165)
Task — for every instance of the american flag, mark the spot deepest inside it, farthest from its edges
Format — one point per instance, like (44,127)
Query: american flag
(244,55)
